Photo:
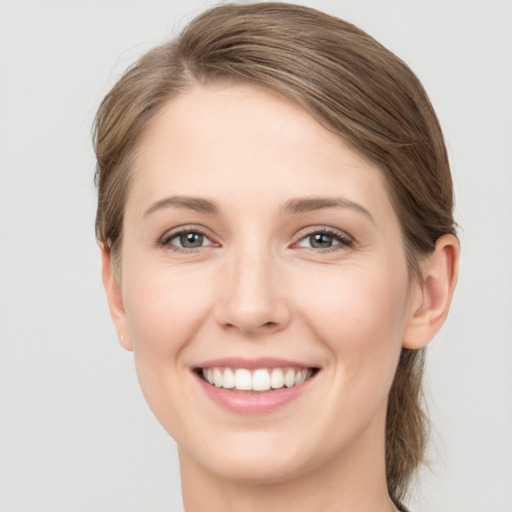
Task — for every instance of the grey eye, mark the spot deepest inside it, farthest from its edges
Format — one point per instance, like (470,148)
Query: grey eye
(321,241)
(186,240)
(325,239)
(190,240)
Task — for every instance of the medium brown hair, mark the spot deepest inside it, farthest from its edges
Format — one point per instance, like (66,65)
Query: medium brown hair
(354,87)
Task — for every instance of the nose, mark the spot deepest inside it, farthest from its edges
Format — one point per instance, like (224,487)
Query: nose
(252,300)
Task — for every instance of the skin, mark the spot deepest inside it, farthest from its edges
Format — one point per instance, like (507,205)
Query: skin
(257,287)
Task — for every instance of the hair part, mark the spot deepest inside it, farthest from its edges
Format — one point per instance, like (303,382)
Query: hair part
(348,82)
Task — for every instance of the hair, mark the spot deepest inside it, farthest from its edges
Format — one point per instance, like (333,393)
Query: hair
(350,84)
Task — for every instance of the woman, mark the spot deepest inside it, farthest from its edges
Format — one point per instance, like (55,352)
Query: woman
(275,216)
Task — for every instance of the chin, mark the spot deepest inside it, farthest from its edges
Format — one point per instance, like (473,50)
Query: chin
(258,470)
(257,458)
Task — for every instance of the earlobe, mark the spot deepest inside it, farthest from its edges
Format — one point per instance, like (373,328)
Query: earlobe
(115,299)
(432,294)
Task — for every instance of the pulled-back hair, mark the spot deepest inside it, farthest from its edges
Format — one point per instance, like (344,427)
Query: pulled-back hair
(348,82)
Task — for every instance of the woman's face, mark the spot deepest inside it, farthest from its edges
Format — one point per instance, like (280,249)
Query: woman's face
(259,250)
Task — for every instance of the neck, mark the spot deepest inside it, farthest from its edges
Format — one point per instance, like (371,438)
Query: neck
(354,481)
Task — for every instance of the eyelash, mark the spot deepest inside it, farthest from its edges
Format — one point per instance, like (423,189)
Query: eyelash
(166,240)
(342,239)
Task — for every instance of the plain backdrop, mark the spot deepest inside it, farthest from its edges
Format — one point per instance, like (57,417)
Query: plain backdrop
(75,432)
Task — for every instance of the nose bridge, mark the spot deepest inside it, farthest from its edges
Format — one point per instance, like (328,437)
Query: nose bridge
(253,301)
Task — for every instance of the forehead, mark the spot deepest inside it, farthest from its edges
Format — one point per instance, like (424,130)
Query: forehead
(227,139)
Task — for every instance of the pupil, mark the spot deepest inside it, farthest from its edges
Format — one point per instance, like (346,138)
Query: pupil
(191,240)
(320,240)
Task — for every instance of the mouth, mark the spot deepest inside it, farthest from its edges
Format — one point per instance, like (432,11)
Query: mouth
(255,380)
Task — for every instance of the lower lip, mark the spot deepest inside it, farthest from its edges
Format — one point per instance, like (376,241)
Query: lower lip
(259,402)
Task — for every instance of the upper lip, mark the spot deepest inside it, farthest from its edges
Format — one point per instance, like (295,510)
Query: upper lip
(253,363)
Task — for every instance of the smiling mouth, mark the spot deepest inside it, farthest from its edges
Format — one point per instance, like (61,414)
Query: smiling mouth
(257,380)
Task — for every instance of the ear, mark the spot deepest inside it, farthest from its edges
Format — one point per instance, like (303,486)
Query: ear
(432,293)
(115,299)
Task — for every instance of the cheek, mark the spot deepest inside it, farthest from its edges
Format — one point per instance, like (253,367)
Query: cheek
(354,304)
(360,315)
(164,306)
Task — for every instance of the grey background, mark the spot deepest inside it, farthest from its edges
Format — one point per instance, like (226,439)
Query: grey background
(75,432)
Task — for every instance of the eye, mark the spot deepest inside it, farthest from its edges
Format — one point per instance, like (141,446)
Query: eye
(186,239)
(325,239)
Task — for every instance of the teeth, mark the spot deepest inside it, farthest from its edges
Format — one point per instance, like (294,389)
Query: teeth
(228,381)
(289,378)
(305,374)
(261,379)
(277,378)
(301,376)
(217,377)
(243,379)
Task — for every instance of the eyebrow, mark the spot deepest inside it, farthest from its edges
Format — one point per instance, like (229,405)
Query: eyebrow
(198,204)
(308,204)
(298,205)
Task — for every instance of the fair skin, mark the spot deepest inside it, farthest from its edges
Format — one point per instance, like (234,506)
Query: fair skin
(252,267)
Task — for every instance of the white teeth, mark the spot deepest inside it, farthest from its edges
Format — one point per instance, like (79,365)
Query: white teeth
(304,375)
(217,377)
(243,379)
(229,379)
(261,379)
(301,376)
(289,378)
(277,378)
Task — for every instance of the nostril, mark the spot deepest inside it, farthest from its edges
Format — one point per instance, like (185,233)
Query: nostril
(265,326)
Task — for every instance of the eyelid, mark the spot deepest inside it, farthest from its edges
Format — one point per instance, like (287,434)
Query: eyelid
(164,240)
(344,239)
